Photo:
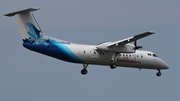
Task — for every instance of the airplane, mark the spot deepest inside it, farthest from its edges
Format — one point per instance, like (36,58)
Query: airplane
(120,53)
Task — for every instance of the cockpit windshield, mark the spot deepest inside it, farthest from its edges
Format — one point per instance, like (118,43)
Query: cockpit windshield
(154,55)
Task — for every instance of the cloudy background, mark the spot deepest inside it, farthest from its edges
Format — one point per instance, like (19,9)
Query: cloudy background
(29,76)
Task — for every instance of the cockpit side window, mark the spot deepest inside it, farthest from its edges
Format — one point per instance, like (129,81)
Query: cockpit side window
(154,55)
(149,54)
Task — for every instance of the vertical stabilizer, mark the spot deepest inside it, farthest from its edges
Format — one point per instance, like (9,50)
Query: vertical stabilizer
(28,25)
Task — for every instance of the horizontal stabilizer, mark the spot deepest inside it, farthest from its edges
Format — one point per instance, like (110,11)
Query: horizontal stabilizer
(25,11)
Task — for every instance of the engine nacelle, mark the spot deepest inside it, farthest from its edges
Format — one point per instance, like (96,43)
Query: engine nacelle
(127,48)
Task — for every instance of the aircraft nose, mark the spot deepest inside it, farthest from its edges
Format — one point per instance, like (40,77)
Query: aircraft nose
(163,64)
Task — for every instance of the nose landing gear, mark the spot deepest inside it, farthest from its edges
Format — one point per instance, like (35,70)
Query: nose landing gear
(158,73)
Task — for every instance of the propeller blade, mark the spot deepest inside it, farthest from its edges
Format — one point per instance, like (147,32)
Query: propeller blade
(135,43)
(136,47)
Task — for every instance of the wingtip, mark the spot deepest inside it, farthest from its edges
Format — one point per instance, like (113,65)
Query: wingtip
(34,8)
(152,32)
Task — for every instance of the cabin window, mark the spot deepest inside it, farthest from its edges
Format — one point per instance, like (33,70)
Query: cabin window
(103,53)
(141,56)
(94,52)
(129,55)
(84,51)
(137,56)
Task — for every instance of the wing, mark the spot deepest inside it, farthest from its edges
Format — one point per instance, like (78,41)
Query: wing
(130,39)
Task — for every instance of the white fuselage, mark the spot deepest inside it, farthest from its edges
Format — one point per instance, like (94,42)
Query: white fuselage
(139,59)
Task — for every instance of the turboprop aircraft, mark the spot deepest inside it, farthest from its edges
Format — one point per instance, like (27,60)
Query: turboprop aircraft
(114,54)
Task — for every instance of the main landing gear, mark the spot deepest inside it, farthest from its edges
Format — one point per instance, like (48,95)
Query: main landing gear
(84,71)
(113,60)
(158,73)
(113,65)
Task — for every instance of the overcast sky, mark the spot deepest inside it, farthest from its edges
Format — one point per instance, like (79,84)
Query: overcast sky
(29,76)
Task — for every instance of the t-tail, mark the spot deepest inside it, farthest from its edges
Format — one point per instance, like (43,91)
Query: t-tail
(29,28)
(34,40)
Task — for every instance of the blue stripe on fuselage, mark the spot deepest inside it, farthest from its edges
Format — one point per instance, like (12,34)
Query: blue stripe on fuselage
(53,49)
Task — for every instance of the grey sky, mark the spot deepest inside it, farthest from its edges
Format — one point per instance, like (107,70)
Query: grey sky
(29,76)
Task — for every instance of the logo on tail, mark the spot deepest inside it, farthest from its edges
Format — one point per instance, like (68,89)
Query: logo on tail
(33,32)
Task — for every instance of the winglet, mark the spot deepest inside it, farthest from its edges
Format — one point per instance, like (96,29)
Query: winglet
(25,11)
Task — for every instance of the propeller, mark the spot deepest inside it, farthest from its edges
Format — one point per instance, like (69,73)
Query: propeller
(136,47)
